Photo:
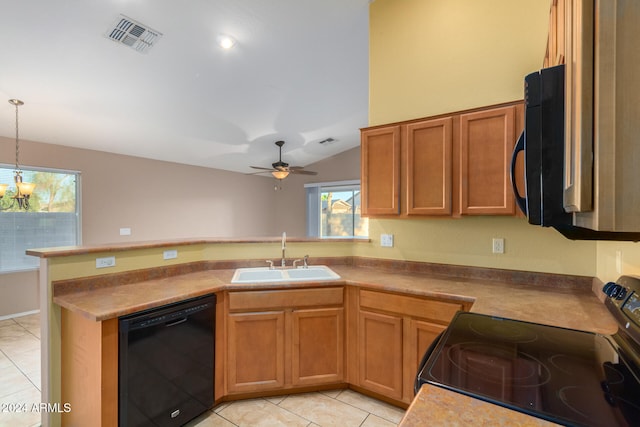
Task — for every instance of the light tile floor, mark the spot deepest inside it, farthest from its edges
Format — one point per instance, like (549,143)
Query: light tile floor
(20,371)
(344,408)
(20,389)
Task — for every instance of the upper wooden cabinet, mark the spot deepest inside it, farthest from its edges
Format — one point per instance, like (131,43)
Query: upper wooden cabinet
(451,165)
(380,168)
(556,51)
(429,167)
(487,139)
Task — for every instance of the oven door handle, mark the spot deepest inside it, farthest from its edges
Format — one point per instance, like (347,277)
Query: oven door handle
(417,384)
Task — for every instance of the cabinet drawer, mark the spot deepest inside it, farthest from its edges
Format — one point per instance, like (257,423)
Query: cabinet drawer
(265,300)
(440,311)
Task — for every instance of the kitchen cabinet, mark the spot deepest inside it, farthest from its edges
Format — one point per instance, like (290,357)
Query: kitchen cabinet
(602,151)
(89,367)
(449,165)
(429,167)
(281,339)
(255,351)
(318,346)
(380,349)
(380,168)
(393,333)
(578,44)
(555,54)
(487,139)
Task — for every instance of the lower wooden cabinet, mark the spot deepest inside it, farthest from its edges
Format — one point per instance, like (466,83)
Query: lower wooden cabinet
(317,355)
(282,339)
(393,333)
(277,340)
(380,349)
(255,350)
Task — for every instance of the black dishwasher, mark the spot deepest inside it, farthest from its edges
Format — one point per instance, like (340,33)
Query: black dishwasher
(166,363)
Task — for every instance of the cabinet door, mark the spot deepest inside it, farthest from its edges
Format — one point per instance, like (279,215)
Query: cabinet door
(420,336)
(380,169)
(318,346)
(487,139)
(255,353)
(429,146)
(579,98)
(380,353)
(556,40)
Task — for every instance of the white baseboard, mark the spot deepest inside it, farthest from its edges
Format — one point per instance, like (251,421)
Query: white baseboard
(25,313)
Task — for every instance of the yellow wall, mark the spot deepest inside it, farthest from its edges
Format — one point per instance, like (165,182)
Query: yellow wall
(629,253)
(430,57)
(434,56)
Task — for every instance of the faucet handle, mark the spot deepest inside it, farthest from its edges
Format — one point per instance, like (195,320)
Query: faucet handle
(305,261)
(270,264)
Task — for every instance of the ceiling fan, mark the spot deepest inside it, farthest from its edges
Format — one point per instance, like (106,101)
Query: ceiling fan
(280,169)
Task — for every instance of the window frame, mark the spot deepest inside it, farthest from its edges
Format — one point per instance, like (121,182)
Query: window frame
(78,211)
(313,192)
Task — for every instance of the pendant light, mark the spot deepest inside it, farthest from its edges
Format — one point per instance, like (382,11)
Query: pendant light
(23,189)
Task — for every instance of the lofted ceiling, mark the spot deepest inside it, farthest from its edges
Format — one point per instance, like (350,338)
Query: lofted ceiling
(298,73)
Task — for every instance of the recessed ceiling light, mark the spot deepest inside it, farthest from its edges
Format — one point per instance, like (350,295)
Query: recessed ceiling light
(226,42)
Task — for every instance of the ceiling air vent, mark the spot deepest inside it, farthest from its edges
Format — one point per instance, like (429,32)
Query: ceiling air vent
(133,34)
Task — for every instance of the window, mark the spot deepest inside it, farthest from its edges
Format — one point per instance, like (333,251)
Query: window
(333,210)
(52,220)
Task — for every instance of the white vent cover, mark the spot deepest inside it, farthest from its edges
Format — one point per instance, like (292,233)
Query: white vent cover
(133,34)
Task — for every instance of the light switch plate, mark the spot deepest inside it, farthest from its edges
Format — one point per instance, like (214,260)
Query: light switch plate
(125,231)
(386,240)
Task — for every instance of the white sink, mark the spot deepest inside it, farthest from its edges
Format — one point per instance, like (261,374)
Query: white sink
(300,274)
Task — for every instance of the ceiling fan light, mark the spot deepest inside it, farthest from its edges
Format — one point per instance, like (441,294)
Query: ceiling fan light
(280,174)
(226,42)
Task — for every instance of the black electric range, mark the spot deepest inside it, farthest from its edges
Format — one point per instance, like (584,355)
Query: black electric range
(566,376)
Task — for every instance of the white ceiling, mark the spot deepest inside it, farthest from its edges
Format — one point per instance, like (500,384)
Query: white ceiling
(299,72)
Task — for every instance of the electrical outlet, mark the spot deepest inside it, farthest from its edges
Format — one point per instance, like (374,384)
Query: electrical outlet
(109,261)
(498,245)
(386,240)
(125,231)
(171,254)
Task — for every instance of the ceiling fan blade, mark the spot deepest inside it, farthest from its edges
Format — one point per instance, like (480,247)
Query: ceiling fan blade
(302,172)
(264,169)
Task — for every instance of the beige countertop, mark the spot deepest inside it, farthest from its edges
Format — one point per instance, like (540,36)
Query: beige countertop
(435,406)
(571,308)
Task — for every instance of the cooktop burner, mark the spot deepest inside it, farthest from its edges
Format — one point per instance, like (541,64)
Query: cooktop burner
(567,376)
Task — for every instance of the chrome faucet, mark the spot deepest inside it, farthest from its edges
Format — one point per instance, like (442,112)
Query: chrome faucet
(284,246)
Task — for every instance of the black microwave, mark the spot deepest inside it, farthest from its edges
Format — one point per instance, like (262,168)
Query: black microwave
(543,145)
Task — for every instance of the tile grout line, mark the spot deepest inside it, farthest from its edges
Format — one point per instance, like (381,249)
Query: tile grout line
(37,386)
(291,412)
(356,407)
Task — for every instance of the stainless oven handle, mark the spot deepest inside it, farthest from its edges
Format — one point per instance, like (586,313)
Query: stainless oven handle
(521,201)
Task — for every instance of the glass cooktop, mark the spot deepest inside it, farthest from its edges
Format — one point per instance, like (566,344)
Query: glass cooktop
(566,376)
